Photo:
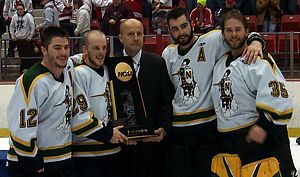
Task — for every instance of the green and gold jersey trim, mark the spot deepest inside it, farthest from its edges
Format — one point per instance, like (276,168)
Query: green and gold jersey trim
(50,153)
(236,128)
(23,147)
(199,116)
(87,127)
(94,149)
(279,116)
(29,79)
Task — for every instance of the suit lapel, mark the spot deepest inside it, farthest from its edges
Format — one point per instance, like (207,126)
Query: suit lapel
(145,68)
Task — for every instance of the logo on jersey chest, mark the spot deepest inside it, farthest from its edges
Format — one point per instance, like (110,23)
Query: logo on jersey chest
(189,92)
(228,104)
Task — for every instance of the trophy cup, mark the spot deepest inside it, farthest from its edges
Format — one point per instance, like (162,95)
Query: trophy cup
(126,105)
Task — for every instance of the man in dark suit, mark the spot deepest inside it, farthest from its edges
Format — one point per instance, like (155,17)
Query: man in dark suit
(146,158)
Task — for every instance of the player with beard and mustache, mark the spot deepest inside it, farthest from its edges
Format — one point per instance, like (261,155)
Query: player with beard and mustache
(256,128)
(194,135)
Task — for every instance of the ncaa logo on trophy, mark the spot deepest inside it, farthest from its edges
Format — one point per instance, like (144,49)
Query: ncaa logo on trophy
(123,72)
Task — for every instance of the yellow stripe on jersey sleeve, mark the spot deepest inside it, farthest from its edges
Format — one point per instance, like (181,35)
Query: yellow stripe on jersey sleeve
(87,127)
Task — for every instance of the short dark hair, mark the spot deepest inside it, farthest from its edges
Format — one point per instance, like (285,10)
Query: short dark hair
(236,14)
(50,32)
(176,13)
(20,4)
(79,2)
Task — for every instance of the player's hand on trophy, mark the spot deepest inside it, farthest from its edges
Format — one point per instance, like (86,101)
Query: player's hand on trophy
(160,132)
(256,134)
(131,142)
(118,137)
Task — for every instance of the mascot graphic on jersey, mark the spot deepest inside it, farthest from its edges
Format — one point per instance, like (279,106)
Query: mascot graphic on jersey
(65,125)
(190,91)
(228,103)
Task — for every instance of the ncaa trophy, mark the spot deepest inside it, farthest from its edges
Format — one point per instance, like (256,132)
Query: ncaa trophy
(126,101)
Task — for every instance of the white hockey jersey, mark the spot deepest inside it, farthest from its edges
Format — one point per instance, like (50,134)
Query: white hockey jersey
(191,75)
(96,88)
(241,91)
(42,115)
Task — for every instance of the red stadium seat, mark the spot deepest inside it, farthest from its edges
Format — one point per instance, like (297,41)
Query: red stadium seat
(155,43)
(150,43)
(252,22)
(284,43)
(271,42)
(290,23)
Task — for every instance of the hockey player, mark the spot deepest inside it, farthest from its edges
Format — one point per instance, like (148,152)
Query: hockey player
(43,113)
(91,158)
(193,139)
(256,127)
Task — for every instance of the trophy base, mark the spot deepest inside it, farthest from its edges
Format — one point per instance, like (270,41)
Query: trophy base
(137,132)
(134,131)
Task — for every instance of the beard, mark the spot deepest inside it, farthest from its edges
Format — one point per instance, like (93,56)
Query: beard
(186,40)
(236,45)
(95,62)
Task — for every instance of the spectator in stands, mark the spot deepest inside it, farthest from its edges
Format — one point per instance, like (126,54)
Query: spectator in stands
(247,7)
(147,12)
(9,10)
(201,17)
(50,15)
(98,9)
(82,19)
(214,5)
(268,15)
(136,7)
(22,30)
(289,6)
(65,9)
(219,14)
(115,14)
(158,5)
(159,22)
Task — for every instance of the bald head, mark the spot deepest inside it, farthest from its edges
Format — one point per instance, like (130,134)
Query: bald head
(130,23)
(92,34)
(132,36)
